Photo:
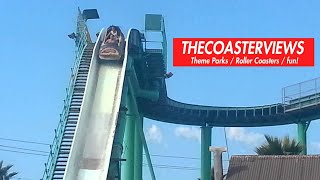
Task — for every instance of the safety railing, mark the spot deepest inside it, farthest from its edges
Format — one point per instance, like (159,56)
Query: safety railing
(301,95)
(82,39)
(151,40)
(164,45)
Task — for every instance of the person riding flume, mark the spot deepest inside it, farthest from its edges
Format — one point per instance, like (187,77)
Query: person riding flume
(113,34)
(114,31)
(112,40)
(112,45)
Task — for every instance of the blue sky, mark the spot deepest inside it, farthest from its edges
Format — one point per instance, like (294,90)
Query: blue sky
(36,56)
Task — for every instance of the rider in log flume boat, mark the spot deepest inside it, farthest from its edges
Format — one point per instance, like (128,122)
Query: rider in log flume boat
(112,47)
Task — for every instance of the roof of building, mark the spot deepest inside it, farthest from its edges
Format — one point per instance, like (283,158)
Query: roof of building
(293,167)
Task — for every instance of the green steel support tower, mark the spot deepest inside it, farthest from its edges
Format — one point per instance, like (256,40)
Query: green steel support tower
(100,132)
(205,153)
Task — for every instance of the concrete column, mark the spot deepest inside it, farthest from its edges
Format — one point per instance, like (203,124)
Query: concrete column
(218,167)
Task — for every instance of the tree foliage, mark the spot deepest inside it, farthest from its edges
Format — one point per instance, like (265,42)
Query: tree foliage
(276,146)
(4,172)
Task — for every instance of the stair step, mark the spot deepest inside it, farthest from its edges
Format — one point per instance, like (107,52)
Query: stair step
(82,74)
(76,99)
(75,108)
(75,105)
(79,86)
(64,149)
(71,121)
(84,65)
(66,140)
(77,102)
(65,156)
(73,113)
(60,169)
(68,145)
(81,78)
(70,129)
(78,89)
(79,82)
(83,70)
(68,137)
(78,95)
(58,173)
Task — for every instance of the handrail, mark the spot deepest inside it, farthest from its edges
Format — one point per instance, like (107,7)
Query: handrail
(295,93)
(81,43)
(163,42)
(164,45)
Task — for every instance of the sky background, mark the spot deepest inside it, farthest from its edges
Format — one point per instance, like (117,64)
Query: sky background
(36,56)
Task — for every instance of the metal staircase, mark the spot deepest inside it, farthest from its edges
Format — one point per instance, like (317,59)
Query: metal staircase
(64,134)
(156,63)
(74,110)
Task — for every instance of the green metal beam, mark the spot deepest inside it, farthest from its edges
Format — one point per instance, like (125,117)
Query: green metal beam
(138,151)
(302,136)
(144,142)
(148,94)
(140,129)
(117,149)
(128,171)
(205,153)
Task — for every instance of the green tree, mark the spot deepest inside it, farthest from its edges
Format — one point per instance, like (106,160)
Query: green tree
(4,172)
(276,146)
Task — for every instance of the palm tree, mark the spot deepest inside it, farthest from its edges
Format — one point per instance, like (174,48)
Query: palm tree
(4,172)
(276,146)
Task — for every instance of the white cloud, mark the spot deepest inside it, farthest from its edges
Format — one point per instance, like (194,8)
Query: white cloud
(241,135)
(316,145)
(154,134)
(188,133)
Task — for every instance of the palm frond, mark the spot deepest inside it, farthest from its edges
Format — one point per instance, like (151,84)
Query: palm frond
(12,174)
(277,146)
(7,168)
(4,172)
